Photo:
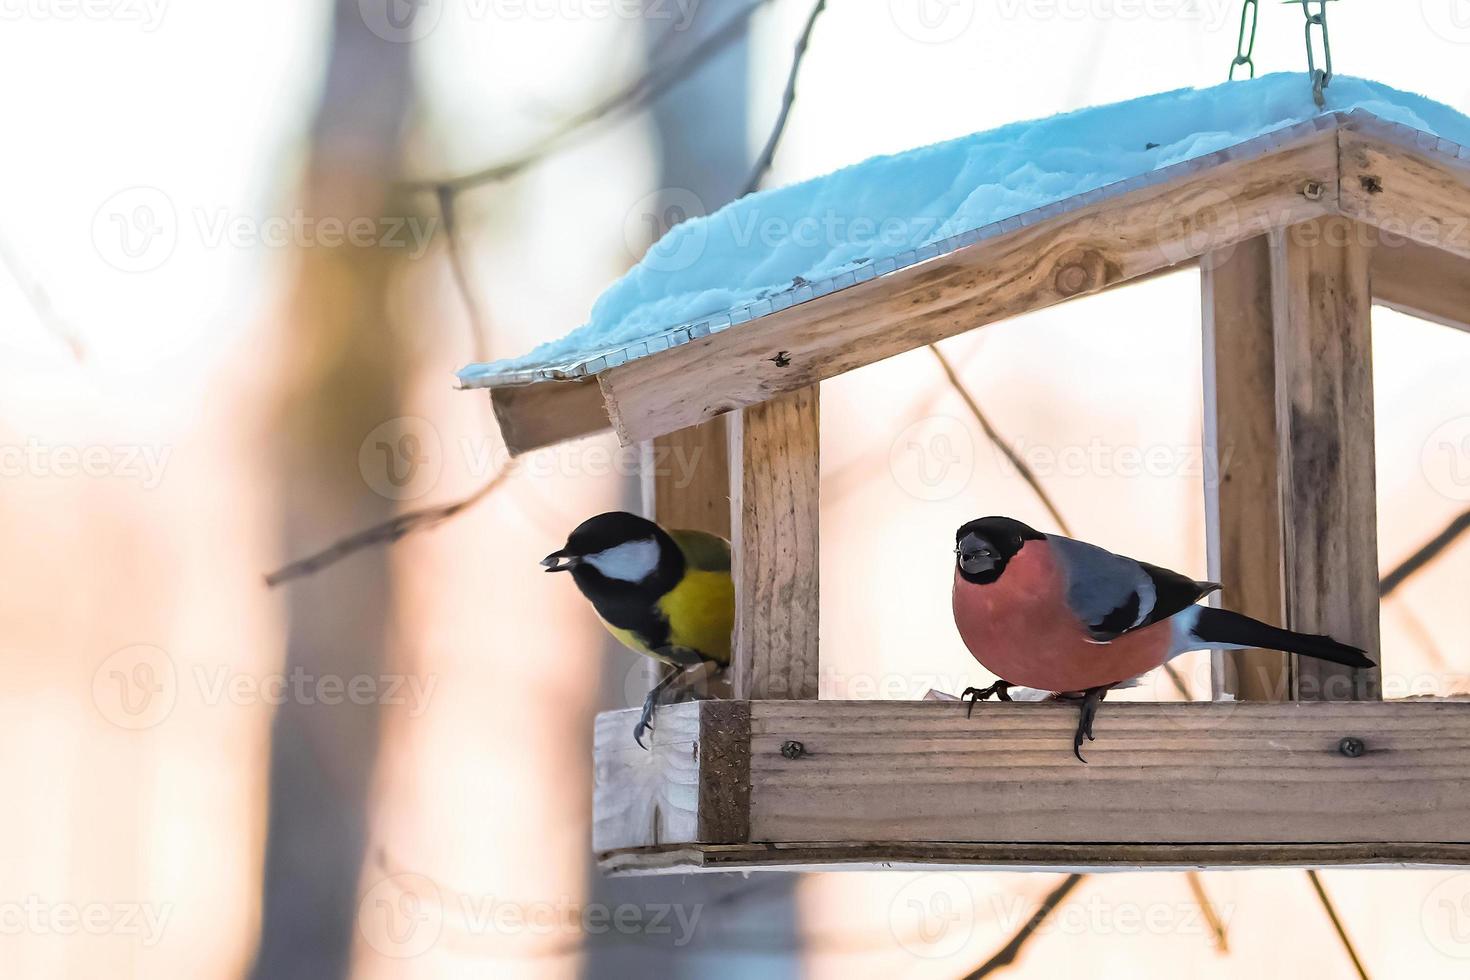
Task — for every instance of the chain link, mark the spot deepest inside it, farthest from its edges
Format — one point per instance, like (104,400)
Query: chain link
(1321,77)
(1245,44)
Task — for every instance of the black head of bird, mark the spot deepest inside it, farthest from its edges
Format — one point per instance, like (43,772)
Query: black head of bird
(984,546)
(618,552)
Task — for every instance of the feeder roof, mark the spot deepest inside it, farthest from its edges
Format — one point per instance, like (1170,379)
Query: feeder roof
(778,248)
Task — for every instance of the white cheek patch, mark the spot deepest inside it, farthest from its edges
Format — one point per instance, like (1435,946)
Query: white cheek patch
(632,561)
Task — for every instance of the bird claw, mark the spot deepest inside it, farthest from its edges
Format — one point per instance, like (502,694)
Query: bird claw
(1086,716)
(1001,690)
(645,719)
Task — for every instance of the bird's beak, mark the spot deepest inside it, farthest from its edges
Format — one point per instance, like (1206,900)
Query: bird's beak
(560,561)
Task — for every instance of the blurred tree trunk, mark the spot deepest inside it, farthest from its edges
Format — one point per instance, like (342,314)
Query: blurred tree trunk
(704,156)
(341,367)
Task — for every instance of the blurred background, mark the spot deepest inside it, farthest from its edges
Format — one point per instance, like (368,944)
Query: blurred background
(228,334)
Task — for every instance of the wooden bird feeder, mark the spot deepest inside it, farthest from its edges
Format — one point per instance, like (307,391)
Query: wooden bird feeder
(1297,234)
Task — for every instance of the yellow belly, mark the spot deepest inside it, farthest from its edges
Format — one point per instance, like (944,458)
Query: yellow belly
(701,613)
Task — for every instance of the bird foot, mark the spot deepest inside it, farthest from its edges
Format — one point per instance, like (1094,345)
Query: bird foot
(1087,714)
(1001,690)
(645,719)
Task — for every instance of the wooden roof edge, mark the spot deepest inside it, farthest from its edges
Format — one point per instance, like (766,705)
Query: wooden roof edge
(1411,187)
(578,367)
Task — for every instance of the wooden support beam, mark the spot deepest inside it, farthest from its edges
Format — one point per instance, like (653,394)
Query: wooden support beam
(1178,780)
(1422,281)
(928,856)
(1078,248)
(1242,500)
(1324,421)
(685,478)
(1405,189)
(533,416)
(774,477)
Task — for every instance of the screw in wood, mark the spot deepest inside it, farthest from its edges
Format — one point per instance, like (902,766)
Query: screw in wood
(1351,747)
(793,749)
(1312,190)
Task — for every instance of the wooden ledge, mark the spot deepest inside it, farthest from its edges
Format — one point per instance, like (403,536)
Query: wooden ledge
(930,856)
(1167,785)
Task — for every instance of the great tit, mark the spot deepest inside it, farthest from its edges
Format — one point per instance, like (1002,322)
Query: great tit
(666,594)
(1048,612)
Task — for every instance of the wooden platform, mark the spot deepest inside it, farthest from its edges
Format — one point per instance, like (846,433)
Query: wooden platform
(876,783)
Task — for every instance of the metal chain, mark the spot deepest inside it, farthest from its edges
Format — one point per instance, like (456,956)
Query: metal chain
(1321,77)
(1245,45)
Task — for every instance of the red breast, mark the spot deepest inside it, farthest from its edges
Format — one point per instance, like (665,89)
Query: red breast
(1022,630)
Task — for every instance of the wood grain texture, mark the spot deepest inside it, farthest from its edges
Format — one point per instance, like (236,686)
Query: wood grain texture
(691,785)
(931,856)
(1242,499)
(1404,190)
(1223,200)
(775,476)
(686,479)
(538,415)
(639,797)
(1324,417)
(1422,281)
(878,772)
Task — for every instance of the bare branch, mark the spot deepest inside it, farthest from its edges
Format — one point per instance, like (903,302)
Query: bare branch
(479,334)
(386,533)
(1008,953)
(40,301)
(995,437)
(788,99)
(641,92)
(1212,918)
(1347,943)
(1424,555)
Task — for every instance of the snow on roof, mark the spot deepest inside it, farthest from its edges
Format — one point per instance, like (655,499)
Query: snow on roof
(714,272)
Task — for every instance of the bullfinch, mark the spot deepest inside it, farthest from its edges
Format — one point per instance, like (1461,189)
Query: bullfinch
(1048,612)
(665,594)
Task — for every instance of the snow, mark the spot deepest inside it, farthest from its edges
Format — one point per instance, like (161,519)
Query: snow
(852,220)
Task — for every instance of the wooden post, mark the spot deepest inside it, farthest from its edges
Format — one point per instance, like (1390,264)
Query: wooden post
(686,479)
(686,485)
(1324,419)
(774,471)
(1242,501)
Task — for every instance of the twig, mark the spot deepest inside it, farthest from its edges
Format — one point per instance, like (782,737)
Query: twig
(385,533)
(995,437)
(1212,918)
(641,92)
(1424,555)
(1008,953)
(1347,943)
(788,99)
(40,301)
(479,335)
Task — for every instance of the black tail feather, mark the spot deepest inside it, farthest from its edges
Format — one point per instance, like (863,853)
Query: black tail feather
(1224,626)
